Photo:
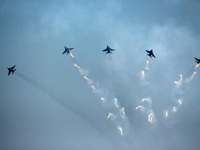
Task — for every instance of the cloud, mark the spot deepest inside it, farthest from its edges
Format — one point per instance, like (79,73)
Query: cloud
(39,30)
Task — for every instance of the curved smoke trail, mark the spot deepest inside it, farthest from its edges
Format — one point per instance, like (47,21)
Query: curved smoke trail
(179,91)
(118,115)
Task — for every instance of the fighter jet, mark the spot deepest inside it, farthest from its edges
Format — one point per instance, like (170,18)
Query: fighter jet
(11,70)
(67,50)
(150,53)
(197,60)
(108,50)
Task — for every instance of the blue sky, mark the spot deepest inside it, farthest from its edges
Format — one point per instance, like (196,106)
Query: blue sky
(48,104)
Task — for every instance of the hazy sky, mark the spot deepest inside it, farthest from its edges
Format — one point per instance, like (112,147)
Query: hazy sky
(48,104)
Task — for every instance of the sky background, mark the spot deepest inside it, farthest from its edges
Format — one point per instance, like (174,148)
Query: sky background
(48,105)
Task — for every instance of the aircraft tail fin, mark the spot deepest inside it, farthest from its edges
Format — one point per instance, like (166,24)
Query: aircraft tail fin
(14,71)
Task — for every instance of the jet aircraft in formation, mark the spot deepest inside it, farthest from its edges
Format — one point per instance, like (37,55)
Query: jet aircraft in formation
(11,70)
(150,53)
(67,50)
(197,60)
(108,50)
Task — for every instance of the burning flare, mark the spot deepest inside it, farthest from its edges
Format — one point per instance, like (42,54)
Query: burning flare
(109,115)
(120,130)
(71,55)
(122,113)
(122,110)
(179,82)
(88,80)
(180,102)
(174,109)
(140,107)
(150,117)
(92,86)
(194,73)
(147,65)
(166,114)
(102,99)
(115,102)
(142,73)
(146,99)
(197,65)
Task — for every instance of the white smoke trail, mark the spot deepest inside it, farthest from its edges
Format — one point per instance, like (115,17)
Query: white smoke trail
(120,121)
(197,65)
(147,65)
(142,73)
(115,102)
(88,80)
(174,108)
(140,107)
(148,100)
(81,71)
(112,116)
(180,101)
(71,55)
(178,91)
(194,73)
(179,82)
(190,78)
(122,113)
(166,114)
(120,130)
(148,111)
(151,117)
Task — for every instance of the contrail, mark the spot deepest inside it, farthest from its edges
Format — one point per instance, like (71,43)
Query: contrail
(49,92)
(37,85)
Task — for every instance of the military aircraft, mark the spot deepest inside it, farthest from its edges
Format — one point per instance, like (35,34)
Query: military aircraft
(67,50)
(11,70)
(108,50)
(197,60)
(150,53)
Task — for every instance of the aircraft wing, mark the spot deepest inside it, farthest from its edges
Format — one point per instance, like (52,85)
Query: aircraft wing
(104,50)
(196,58)
(13,67)
(147,51)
